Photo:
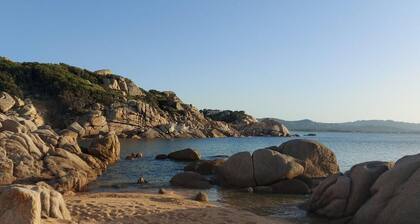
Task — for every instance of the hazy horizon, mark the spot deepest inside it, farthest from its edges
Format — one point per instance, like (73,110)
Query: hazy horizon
(329,61)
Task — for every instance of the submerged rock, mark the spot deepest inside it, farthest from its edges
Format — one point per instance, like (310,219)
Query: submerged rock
(294,186)
(141,180)
(190,180)
(134,155)
(161,157)
(185,155)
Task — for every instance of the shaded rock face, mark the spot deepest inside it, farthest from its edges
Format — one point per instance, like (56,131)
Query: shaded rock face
(294,186)
(106,148)
(271,166)
(190,180)
(185,155)
(237,171)
(318,160)
(29,203)
(395,195)
(20,205)
(341,195)
(204,167)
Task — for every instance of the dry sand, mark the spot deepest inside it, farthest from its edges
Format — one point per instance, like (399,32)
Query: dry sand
(93,208)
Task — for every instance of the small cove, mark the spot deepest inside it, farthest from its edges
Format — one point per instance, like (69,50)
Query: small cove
(350,149)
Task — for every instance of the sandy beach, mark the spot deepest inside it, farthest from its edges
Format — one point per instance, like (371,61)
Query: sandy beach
(95,208)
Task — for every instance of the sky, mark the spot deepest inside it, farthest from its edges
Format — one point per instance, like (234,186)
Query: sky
(325,60)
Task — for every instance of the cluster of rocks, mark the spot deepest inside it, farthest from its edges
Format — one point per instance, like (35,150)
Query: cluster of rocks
(38,162)
(31,151)
(371,193)
(150,114)
(287,169)
(134,155)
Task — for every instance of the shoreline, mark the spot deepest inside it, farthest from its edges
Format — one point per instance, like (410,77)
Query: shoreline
(138,207)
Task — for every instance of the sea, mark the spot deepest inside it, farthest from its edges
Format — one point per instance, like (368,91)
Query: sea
(349,148)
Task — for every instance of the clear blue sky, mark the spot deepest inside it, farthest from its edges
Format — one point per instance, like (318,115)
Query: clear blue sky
(324,60)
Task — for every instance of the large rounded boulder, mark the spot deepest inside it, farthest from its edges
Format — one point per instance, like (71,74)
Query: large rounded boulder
(237,171)
(271,166)
(318,160)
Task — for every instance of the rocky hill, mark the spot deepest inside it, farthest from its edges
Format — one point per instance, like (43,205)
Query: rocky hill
(366,126)
(99,102)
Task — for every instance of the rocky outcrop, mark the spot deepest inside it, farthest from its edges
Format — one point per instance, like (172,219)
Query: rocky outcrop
(246,124)
(264,127)
(30,153)
(27,204)
(190,179)
(318,160)
(343,195)
(101,102)
(394,195)
(185,155)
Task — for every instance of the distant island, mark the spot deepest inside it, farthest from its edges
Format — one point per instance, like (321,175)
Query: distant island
(365,126)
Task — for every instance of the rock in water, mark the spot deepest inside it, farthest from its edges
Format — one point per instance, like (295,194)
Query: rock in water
(204,167)
(202,197)
(271,166)
(294,186)
(185,155)
(161,157)
(237,171)
(141,180)
(319,161)
(190,180)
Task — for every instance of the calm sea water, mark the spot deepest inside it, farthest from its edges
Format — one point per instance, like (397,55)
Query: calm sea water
(350,149)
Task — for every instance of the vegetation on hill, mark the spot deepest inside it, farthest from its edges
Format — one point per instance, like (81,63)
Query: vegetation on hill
(227,116)
(72,87)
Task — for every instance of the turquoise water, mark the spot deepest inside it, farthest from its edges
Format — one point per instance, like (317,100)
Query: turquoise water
(350,149)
